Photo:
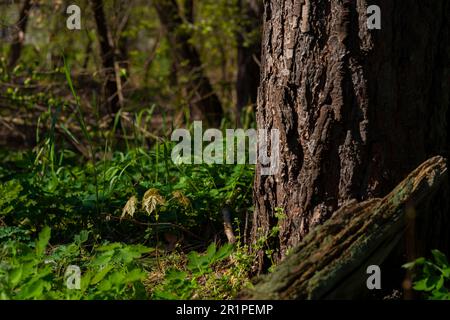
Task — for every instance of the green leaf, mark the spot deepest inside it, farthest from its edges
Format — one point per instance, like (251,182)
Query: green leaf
(100,275)
(141,248)
(82,237)
(103,259)
(426,284)
(32,290)
(164,295)
(15,275)
(193,261)
(105,285)
(417,262)
(86,280)
(174,275)
(421,285)
(420,261)
(446,272)
(440,258)
(126,255)
(409,265)
(224,252)
(135,275)
(43,239)
(9,195)
(211,251)
(109,247)
(440,283)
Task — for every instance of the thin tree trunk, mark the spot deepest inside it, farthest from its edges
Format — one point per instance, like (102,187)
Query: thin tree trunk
(357,109)
(189,10)
(205,102)
(249,54)
(122,40)
(113,86)
(87,54)
(19,37)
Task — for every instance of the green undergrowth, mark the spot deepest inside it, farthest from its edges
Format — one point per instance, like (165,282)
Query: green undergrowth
(126,219)
(132,191)
(431,276)
(38,269)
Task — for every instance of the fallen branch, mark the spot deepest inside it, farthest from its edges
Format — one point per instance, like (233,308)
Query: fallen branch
(331,261)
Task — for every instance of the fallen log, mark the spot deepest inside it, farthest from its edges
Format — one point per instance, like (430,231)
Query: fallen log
(331,261)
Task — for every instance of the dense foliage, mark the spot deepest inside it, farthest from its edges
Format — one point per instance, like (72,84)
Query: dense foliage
(91,205)
(432,276)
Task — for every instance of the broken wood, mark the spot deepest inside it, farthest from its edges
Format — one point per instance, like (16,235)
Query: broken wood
(331,261)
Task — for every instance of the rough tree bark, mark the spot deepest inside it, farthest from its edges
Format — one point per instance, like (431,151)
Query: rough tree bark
(357,109)
(113,90)
(19,34)
(205,103)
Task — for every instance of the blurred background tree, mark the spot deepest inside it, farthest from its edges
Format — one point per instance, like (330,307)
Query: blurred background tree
(189,59)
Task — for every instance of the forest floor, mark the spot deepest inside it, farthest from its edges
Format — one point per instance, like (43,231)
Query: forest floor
(86,205)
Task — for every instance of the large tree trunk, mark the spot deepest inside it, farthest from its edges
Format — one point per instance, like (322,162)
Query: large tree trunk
(204,101)
(19,34)
(357,109)
(113,90)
